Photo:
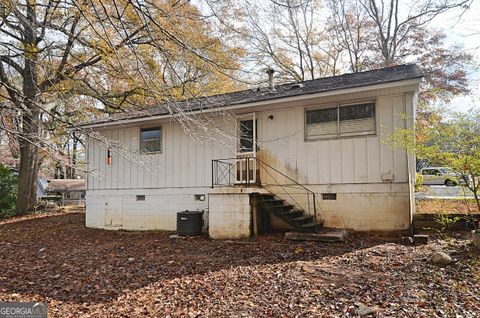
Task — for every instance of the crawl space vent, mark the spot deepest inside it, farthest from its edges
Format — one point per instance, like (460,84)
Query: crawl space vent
(329,196)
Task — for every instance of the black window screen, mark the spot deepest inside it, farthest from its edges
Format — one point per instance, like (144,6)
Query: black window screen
(151,140)
(246,135)
(361,111)
(318,116)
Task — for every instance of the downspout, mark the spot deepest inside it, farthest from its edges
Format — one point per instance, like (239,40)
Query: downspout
(411,193)
(410,109)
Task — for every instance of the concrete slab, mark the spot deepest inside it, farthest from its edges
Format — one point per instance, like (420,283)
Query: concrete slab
(332,236)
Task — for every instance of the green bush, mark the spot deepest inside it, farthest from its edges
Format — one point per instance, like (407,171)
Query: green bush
(8,192)
(418,182)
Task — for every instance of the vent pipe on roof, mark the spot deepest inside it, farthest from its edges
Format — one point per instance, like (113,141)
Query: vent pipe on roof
(270,72)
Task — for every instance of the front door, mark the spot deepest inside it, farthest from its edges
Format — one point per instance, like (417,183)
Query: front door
(247,137)
(246,148)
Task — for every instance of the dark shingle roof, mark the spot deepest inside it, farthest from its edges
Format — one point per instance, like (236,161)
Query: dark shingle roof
(384,75)
(60,185)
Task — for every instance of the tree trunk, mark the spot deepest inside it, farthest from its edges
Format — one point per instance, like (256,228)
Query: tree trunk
(68,165)
(27,179)
(74,155)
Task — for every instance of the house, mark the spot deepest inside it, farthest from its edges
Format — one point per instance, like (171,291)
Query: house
(299,155)
(41,184)
(71,191)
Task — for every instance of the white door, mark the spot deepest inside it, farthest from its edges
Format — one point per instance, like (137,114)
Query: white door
(113,212)
(246,166)
(247,135)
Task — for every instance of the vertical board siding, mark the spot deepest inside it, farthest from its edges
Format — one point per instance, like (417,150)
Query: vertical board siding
(373,159)
(348,160)
(169,155)
(360,159)
(335,161)
(399,155)
(185,162)
(324,163)
(385,111)
(177,156)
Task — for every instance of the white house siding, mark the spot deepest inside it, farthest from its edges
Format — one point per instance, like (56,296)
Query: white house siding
(183,162)
(354,168)
(168,180)
(334,161)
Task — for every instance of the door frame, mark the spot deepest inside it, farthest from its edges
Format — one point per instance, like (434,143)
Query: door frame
(246,164)
(245,117)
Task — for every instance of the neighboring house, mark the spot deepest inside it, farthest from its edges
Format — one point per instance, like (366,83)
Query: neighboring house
(319,145)
(42,184)
(71,191)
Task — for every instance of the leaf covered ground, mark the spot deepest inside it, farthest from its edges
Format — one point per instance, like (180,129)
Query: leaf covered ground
(446,206)
(84,272)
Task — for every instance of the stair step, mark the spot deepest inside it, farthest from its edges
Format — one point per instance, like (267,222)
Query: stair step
(292,213)
(330,236)
(312,224)
(270,201)
(311,227)
(303,218)
(283,207)
(265,195)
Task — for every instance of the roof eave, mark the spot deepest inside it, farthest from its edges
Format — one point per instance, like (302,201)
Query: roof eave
(405,82)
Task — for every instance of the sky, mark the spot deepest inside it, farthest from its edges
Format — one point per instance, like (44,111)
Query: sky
(464,30)
(462,27)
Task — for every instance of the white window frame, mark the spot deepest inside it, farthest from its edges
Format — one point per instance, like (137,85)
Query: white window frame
(140,139)
(338,135)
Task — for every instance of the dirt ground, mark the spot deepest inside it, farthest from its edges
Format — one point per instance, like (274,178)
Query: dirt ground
(84,272)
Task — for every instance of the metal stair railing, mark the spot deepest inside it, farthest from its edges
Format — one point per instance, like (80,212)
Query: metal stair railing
(311,205)
(234,171)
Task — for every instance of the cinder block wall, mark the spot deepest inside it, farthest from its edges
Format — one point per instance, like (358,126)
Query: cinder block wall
(229,215)
(358,207)
(119,209)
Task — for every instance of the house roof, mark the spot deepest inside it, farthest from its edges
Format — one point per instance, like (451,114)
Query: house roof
(373,77)
(42,182)
(61,185)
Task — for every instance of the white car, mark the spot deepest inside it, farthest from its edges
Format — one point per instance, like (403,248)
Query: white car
(440,175)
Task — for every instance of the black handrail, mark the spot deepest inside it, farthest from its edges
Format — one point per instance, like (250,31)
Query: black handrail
(224,173)
(296,183)
(228,169)
(225,169)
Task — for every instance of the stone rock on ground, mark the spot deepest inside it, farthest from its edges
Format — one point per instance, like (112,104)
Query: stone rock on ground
(476,238)
(365,311)
(441,258)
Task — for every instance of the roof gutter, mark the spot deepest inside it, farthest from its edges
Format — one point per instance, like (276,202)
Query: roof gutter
(413,81)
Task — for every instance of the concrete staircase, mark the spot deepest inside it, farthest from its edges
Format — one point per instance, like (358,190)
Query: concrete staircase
(296,217)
